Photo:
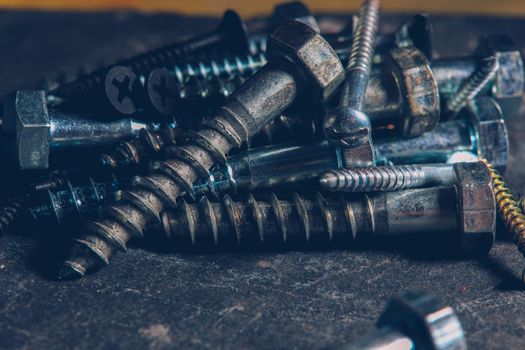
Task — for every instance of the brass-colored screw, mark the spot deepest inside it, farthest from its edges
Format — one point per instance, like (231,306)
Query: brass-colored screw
(509,210)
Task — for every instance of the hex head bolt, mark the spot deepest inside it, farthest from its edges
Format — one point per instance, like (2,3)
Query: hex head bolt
(472,86)
(300,60)
(32,130)
(118,88)
(347,124)
(415,320)
(482,131)
(469,217)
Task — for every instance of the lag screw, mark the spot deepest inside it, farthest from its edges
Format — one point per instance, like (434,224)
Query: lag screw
(299,61)
(388,178)
(473,85)
(469,216)
(347,124)
(141,149)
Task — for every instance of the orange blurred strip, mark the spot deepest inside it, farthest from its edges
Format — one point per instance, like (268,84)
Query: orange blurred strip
(250,8)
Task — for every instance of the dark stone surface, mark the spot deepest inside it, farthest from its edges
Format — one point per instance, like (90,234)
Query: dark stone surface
(149,299)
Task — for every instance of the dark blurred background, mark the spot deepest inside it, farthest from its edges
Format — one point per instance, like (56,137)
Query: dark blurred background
(251,8)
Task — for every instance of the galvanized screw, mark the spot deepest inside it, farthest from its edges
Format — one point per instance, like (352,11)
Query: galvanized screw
(347,124)
(473,85)
(231,34)
(32,130)
(264,96)
(141,149)
(388,178)
(168,96)
(276,222)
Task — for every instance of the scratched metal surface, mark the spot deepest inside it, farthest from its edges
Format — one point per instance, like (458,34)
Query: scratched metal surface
(295,300)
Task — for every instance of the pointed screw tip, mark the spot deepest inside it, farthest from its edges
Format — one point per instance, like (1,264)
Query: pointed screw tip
(328,181)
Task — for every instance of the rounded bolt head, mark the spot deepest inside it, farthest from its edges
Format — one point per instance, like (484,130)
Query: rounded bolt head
(162,87)
(347,127)
(300,46)
(429,323)
(122,89)
(237,35)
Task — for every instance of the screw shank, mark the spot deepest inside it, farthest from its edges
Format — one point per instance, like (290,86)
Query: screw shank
(299,221)
(416,211)
(354,88)
(268,93)
(432,147)
(69,130)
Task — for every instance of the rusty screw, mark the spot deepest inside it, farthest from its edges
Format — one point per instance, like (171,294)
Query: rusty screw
(347,124)
(299,60)
(469,213)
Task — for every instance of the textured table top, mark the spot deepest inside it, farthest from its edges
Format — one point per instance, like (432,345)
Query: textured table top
(157,300)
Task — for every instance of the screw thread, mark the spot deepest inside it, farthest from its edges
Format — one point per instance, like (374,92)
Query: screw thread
(74,198)
(373,179)
(10,212)
(142,205)
(474,84)
(138,151)
(271,222)
(196,89)
(508,209)
(236,66)
(363,43)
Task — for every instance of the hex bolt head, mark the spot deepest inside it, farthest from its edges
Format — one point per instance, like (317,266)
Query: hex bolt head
(27,126)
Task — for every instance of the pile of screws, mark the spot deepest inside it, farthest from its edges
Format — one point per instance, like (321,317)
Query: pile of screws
(283,138)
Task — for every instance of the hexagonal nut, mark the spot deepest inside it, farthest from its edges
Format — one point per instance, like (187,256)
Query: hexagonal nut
(26,123)
(509,84)
(429,323)
(491,131)
(297,45)
(476,207)
(419,90)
